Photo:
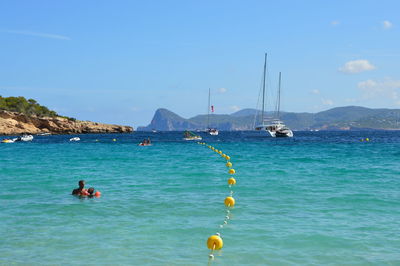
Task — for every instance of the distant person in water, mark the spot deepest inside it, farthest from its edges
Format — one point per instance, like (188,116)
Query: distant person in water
(145,142)
(90,192)
(80,191)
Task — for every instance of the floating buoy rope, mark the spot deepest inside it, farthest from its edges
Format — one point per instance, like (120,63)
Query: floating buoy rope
(215,242)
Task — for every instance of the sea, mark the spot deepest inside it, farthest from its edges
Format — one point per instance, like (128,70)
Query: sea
(320,198)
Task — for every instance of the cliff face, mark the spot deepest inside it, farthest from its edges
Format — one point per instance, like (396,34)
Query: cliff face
(166,120)
(16,123)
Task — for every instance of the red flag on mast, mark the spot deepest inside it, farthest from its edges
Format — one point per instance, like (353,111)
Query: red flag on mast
(212,108)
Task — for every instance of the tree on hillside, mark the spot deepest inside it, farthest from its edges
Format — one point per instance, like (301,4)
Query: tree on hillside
(28,107)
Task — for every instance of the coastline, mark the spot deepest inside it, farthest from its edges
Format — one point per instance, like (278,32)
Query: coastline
(13,123)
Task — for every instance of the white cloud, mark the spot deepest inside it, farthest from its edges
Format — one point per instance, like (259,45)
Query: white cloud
(222,90)
(387,89)
(235,108)
(316,92)
(335,23)
(356,66)
(38,34)
(387,24)
(326,101)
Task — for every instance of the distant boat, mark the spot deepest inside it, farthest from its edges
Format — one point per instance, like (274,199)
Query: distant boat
(7,141)
(275,127)
(75,139)
(191,136)
(278,127)
(211,131)
(24,138)
(44,134)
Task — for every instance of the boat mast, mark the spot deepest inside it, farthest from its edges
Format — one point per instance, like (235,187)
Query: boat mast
(208,110)
(263,98)
(279,94)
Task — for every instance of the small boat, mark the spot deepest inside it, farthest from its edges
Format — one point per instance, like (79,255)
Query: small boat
(24,138)
(211,131)
(277,129)
(8,141)
(44,134)
(191,136)
(75,139)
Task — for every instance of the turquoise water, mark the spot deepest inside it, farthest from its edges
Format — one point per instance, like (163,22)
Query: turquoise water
(323,198)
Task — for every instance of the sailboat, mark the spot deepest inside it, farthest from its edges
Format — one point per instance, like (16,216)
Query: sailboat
(278,127)
(275,127)
(211,131)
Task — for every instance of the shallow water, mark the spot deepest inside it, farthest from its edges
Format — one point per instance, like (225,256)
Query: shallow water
(318,199)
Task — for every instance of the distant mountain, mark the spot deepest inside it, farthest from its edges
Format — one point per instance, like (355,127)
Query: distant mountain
(339,118)
(165,120)
(245,112)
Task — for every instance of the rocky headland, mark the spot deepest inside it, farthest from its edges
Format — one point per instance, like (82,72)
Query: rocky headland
(14,123)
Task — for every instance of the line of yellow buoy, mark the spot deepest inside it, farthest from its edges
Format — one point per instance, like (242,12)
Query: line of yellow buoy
(215,242)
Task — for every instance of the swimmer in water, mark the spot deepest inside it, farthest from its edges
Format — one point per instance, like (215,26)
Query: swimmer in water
(80,191)
(91,192)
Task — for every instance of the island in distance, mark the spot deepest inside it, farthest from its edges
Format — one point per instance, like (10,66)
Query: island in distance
(21,116)
(339,118)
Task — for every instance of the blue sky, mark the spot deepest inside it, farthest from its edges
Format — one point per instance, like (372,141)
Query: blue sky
(118,61)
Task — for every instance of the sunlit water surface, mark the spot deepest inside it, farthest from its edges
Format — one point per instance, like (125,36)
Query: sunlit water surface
(321,198)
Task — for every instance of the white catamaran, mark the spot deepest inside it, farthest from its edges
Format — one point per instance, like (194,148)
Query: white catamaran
(211,131)
(275,127)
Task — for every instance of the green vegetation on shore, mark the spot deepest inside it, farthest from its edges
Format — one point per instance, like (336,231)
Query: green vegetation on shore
(28,107)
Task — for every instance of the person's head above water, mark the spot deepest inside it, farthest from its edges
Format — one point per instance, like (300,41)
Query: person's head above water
(81,189)
(81,183)
(91,191)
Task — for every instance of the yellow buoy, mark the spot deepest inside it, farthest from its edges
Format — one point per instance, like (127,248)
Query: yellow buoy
(215,242)
(367,139)
(220,152)
(232,171)
(229,202)
(228,164)
(231,181)
(227,158)
(114,140)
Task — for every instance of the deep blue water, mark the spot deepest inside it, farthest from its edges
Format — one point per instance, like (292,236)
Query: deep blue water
(320,198)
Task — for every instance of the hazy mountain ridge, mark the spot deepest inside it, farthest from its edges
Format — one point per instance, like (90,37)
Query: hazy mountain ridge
(339,118)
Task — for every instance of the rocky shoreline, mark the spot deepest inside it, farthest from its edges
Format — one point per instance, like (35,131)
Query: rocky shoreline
(13,123)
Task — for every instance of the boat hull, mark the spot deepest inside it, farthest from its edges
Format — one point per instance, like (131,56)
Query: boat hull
(285,134)
(194,138)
